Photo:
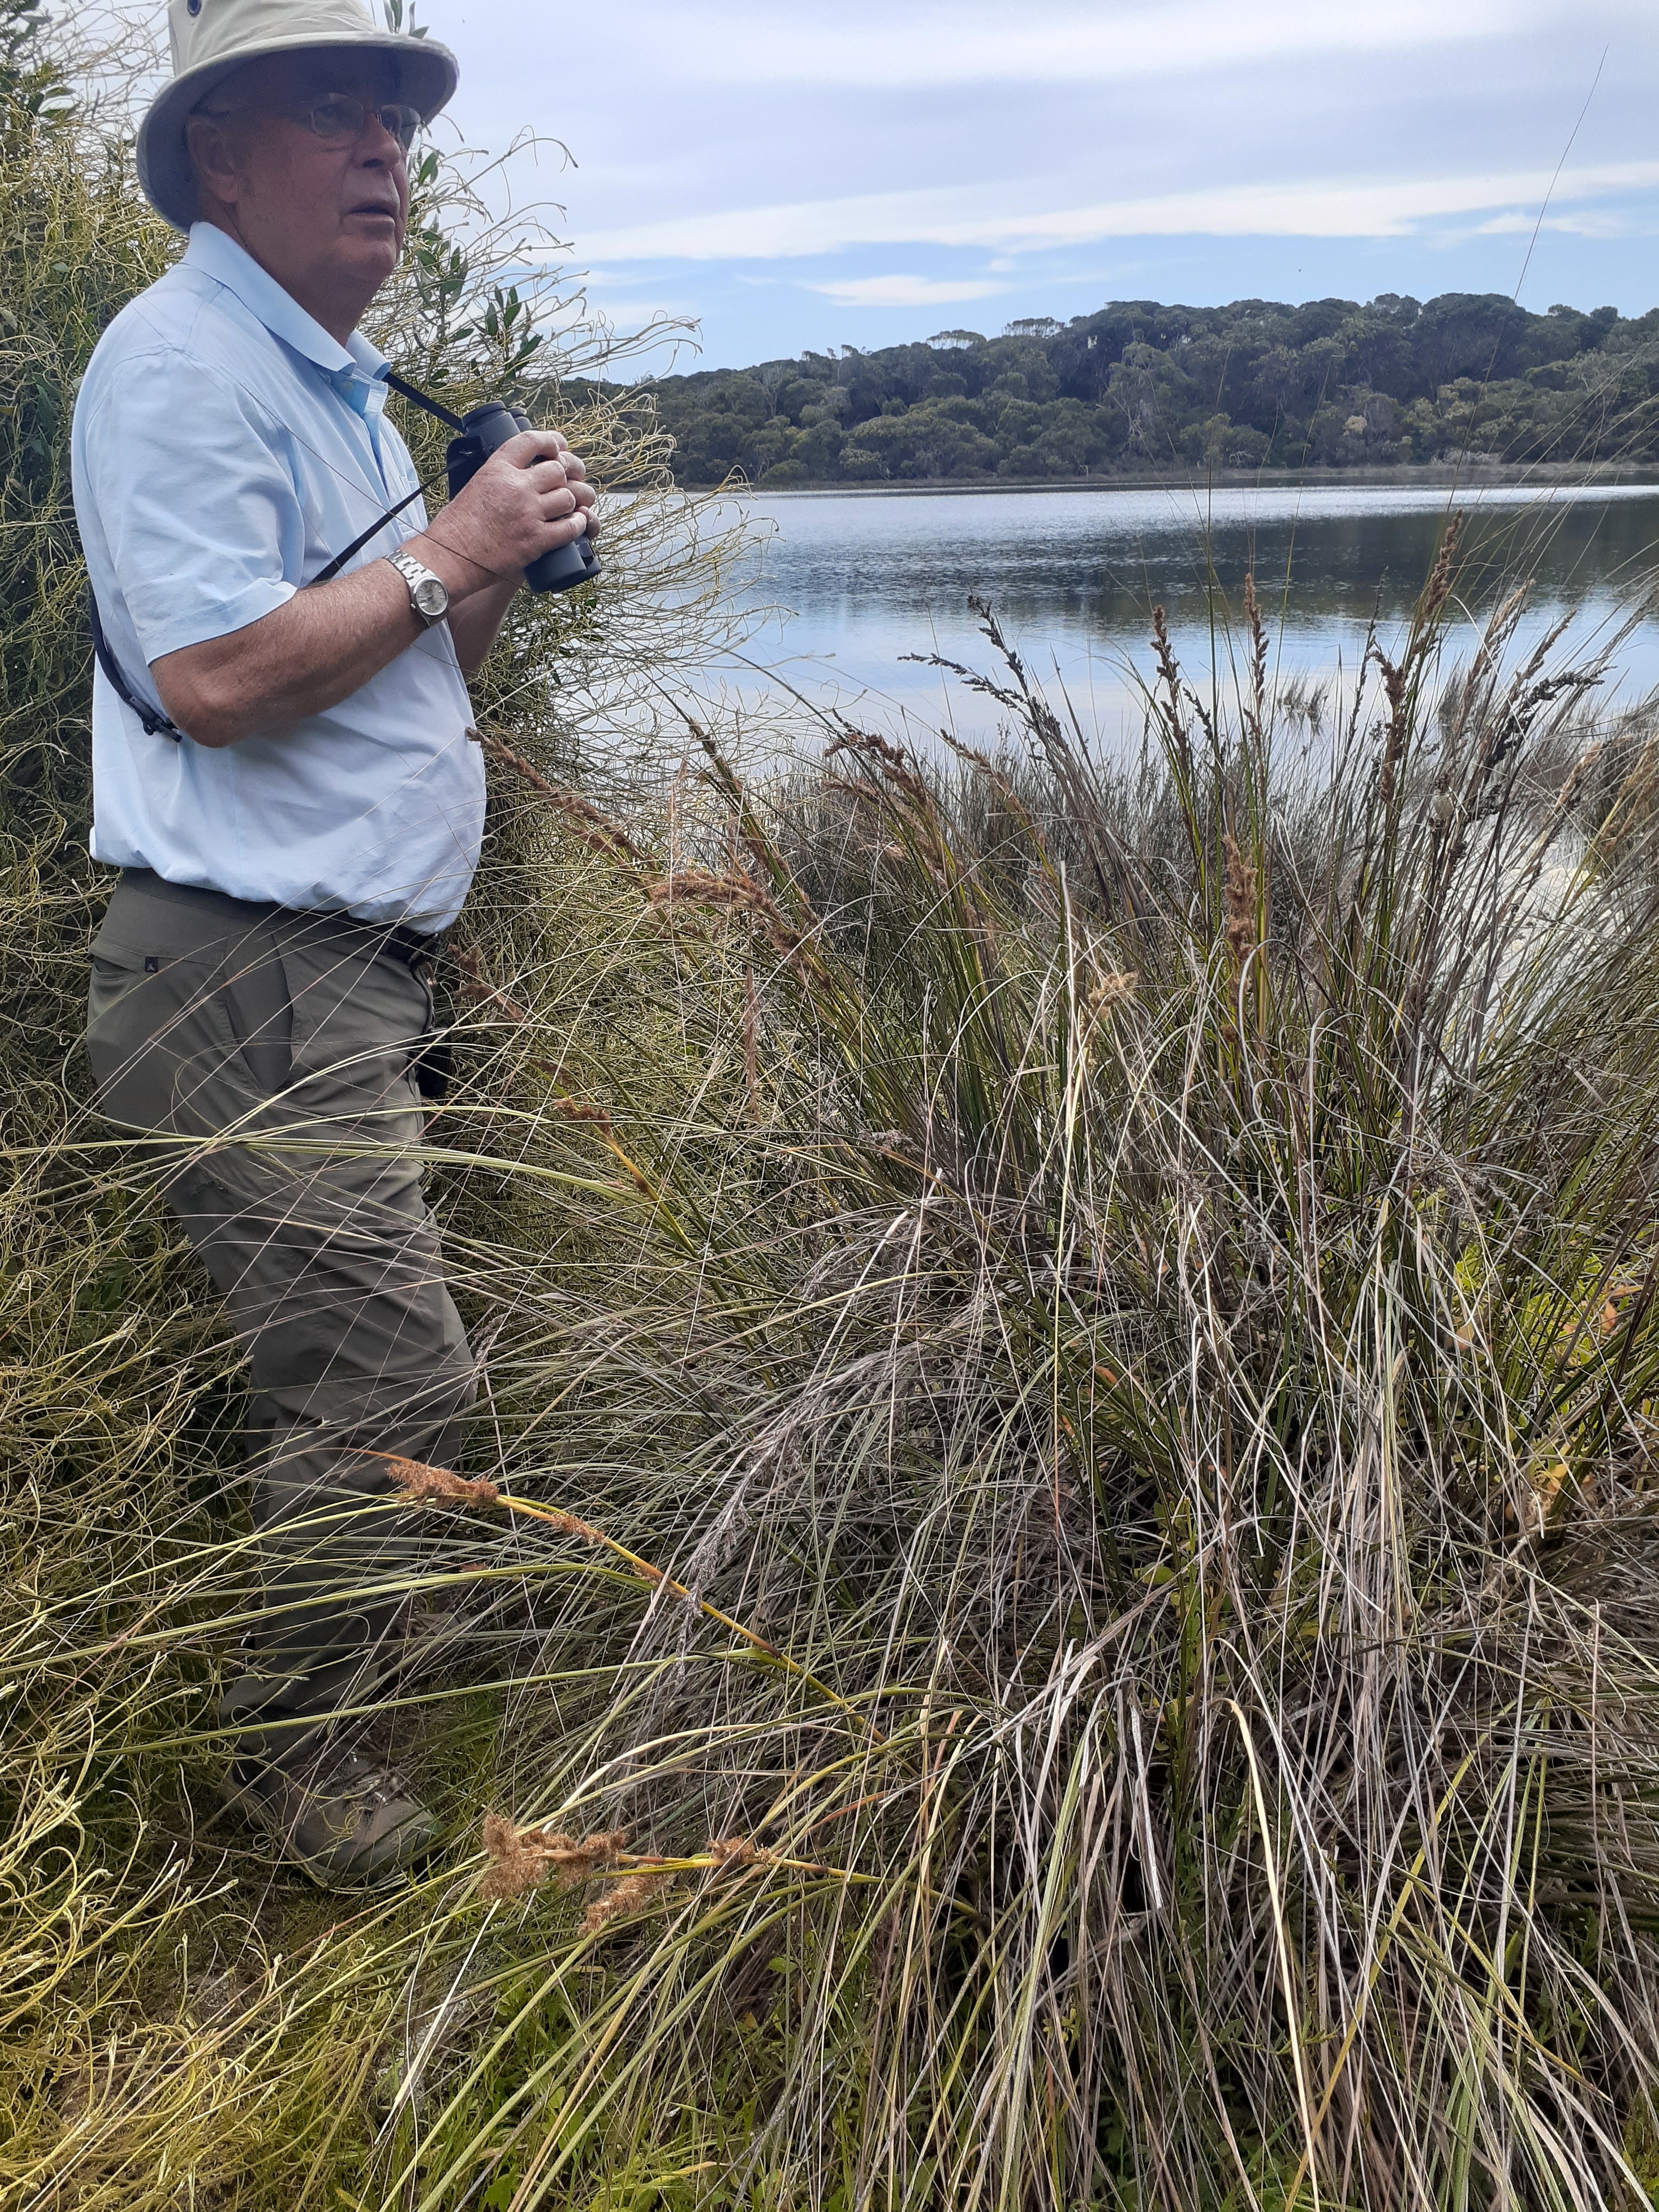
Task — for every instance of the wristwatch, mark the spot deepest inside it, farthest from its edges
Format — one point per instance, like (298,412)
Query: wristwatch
(427,595)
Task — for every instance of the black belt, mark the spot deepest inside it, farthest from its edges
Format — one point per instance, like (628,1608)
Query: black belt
(410,945)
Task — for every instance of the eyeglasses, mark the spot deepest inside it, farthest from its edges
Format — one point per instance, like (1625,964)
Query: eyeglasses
(338,119)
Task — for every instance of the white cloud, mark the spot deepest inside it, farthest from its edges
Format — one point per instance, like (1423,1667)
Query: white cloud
(1191,148)
(981,216)
(904,291)
(878,47)
(1516,225)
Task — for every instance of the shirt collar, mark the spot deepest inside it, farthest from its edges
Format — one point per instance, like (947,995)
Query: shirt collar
(217,255)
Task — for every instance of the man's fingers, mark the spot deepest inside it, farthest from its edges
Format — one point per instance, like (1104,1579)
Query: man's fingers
(539,463)
(559,498)
(545,449)
(552,475)
(562,529)
(532,446)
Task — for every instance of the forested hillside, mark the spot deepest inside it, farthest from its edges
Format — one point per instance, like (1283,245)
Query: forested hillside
(1331,384)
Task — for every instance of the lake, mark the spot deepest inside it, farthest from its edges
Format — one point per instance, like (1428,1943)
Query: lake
(859,579)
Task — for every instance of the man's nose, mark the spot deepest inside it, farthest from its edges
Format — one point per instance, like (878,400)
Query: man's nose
(379,148)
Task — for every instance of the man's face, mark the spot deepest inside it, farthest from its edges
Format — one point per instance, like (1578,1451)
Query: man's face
(326,219)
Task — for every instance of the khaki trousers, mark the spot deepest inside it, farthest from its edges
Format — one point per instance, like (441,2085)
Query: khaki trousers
(277,1049)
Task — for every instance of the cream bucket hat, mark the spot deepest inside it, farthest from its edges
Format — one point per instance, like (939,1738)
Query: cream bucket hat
(212,37)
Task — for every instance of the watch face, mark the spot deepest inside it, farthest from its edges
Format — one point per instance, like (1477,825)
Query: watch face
(431,597)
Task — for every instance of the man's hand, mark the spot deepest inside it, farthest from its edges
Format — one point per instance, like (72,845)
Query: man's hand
(530,497)
(532,494)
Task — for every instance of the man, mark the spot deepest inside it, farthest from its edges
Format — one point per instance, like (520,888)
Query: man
(283,774)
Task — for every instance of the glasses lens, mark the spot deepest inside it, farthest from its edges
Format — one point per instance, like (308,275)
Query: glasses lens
(402,122)
(339,120)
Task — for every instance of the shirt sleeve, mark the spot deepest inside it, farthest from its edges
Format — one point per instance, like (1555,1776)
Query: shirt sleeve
(196,501)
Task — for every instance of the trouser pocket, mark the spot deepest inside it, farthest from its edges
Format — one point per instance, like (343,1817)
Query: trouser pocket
(184,1035)
(361,1017)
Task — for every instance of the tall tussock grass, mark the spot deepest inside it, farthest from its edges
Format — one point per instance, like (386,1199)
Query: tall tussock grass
(1058,1579)
(1054,1601)
(1163,1329)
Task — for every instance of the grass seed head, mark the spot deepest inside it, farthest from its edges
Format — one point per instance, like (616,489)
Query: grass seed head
(514,1866)
(608,839)
(522,1858)
(1240,929)
(737,1852)
(1105,989)
(418,1482)
(629,1895)
(736,893)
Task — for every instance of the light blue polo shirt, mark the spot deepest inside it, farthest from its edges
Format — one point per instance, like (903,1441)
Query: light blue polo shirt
(225,449)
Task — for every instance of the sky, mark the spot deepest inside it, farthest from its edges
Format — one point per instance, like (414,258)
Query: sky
(803,177)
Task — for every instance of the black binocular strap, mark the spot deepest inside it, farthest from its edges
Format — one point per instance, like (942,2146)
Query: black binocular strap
(423,399)
(156,723)
(152,721)
(432,407)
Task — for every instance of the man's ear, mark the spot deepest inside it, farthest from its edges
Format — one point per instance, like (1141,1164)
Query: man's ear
(215,160)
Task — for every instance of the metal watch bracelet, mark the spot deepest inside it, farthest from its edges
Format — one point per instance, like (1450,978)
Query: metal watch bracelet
(429,594)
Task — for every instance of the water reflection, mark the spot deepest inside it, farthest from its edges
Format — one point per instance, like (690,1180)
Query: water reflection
(868,579)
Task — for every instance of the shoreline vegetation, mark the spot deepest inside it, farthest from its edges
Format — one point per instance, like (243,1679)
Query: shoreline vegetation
(1467,476)
(1053,1605)
(1464,378)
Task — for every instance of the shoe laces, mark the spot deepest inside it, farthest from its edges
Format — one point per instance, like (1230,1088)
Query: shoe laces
(370,1780)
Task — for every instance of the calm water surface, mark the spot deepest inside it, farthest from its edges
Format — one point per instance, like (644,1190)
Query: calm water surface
(860,580)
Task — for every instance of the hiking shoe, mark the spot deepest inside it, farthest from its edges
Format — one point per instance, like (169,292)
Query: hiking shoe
(346,1820)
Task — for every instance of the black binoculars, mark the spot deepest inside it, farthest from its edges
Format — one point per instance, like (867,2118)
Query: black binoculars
(482,429)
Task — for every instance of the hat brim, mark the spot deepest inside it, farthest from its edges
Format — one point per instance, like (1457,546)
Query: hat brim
(428,75)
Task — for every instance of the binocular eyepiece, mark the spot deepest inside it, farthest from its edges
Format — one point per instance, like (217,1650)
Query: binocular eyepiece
(482,429)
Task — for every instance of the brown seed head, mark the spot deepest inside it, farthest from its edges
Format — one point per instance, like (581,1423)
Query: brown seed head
(521,1858)
(608,839)
(737,893)
(568,1525)
(478,987)
(628,1895)
(579,1110)
(736,1851)
(1240,929)
(514,1866)
(1108,988)
(415,1480)
(891,762)
(1258,647)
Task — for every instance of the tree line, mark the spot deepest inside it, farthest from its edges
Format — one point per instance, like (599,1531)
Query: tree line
(1256,385)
